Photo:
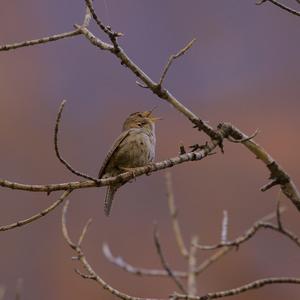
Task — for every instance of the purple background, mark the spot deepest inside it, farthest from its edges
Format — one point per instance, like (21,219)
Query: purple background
(243,68)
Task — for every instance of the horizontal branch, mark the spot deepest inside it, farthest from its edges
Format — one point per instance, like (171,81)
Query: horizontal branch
(43,40)
(168,163)
(121,263)
(244,288)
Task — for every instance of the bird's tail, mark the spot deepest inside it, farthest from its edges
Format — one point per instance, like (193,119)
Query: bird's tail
(110,192)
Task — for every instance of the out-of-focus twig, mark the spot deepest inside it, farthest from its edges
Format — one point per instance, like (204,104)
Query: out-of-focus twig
(174,216)
(163,260)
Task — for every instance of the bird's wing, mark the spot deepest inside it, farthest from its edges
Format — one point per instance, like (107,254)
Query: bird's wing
(112,150)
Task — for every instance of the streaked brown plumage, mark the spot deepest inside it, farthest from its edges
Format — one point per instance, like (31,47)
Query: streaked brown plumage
(135,147)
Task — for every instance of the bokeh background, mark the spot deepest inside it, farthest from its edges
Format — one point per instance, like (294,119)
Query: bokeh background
(244,68)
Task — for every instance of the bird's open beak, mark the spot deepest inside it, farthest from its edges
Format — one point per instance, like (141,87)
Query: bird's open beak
(154,119)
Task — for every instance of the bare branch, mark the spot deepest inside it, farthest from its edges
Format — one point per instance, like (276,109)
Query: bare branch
(191,282)
(282,6)
(250,233)
(224,231)
(38,215)
(163,261)
(174,214)
(65,163)
(212,259)
(119,262)
(43,40)
(172,58)
(91,274)
(244,288)
(106,29)
(84,231)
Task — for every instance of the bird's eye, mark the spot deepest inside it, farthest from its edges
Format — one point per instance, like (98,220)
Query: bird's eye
(139,124)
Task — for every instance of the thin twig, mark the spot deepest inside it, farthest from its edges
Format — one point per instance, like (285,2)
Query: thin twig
(64,162)
(121,263)
(38,215)
(43,40)
(172,58)
(84,231)
(174,216)
(163,261)
(244,288)
(282,6)
(212,259)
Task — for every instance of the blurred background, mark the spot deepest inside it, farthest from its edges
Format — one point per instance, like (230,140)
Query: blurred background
(243,68)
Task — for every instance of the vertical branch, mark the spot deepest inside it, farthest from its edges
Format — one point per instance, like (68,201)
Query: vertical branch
(173,213)
(224,231)
(191,282)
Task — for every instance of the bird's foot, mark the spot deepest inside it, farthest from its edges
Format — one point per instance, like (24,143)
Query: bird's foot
(131,170)
(151,164)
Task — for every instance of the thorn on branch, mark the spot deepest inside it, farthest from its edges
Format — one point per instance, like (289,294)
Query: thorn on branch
(142,85)
(181,149)
(245,139)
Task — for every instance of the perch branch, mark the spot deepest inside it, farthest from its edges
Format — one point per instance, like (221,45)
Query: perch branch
(124,177)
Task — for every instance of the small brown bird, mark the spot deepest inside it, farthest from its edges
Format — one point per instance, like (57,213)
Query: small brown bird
(135,147)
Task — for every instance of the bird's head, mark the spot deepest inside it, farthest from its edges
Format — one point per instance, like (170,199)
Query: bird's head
(140,120)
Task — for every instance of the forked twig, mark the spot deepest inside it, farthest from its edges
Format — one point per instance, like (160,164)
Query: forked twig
(172,58)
